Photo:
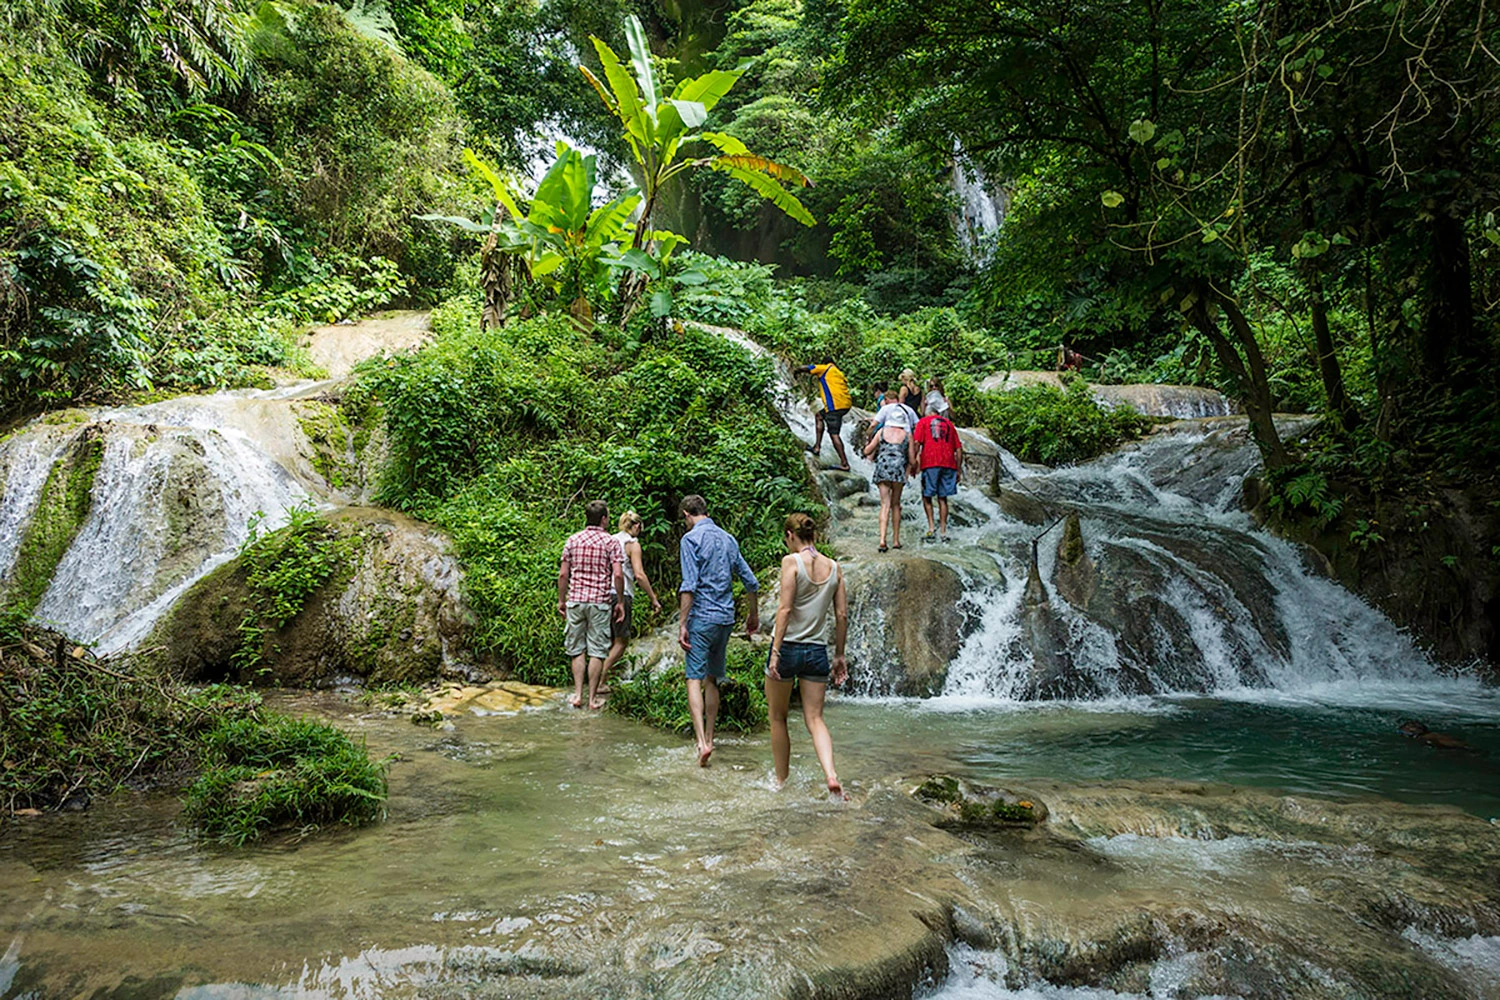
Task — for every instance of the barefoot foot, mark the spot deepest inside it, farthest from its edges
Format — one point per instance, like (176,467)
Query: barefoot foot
(704,752)
(575,700)
(596,704)
(836,790)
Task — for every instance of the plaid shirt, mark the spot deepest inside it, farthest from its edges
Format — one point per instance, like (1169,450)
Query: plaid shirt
(592,555)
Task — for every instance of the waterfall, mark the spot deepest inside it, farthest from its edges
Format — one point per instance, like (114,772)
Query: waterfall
(981,212)
(1182,593)
(176,487)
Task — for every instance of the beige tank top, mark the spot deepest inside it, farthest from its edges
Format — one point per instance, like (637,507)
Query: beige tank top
(811,603)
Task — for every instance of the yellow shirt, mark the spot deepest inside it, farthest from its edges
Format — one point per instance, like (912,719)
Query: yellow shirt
(835,386)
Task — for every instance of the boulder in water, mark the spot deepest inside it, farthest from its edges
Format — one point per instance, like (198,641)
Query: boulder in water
(967,805)
(908,618)
(393,613)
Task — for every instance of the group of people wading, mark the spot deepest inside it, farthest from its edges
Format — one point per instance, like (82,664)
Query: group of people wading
(912,433)
(595,585)
(600,573)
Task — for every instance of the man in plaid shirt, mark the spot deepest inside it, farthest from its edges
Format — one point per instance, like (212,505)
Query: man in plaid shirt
(591,573)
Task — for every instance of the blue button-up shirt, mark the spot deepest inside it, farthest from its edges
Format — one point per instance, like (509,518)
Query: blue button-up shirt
(710,560)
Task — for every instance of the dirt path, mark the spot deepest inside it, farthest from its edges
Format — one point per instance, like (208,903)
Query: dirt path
(340,347)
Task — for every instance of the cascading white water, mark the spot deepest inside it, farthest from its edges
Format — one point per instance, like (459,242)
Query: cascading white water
(176,487)
(25,462)
(1192,596)
(980,211)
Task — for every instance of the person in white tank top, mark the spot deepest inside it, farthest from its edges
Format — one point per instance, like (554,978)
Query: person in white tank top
(812,599)
(622,630)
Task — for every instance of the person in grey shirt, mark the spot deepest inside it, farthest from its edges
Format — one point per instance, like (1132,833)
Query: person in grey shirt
(711,560)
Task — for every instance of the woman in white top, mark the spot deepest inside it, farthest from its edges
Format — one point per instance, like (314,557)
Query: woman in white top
(635,574)
(812,589)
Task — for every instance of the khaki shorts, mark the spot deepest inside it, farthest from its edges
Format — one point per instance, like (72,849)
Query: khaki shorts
(588,630)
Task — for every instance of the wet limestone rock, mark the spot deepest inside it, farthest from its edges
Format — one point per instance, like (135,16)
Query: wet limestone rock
(968,806)
(981,461)
(1074,576)
(391,613)
(910,620)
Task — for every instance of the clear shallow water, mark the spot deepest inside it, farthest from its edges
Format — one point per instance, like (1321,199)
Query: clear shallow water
(1331,742)
(516,840)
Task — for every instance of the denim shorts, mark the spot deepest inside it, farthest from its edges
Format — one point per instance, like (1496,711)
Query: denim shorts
(939,482)
(707,646)
(807,660)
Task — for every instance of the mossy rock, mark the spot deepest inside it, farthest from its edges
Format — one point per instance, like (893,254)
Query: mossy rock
(65,502)
(967,806)
(392,613)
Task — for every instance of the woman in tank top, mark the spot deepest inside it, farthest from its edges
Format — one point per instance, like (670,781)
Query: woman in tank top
(812,592)
(634,575)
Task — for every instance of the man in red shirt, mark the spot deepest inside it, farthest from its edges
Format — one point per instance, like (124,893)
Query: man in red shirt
(937,451)
(591,573)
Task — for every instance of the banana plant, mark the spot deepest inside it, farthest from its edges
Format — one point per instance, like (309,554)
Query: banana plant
(560,241)
(658,127)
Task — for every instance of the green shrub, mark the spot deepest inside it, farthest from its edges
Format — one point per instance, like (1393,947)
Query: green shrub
(268,771)
(284,568)
(660,700)
(1038,423)
(72,725)
(501,436)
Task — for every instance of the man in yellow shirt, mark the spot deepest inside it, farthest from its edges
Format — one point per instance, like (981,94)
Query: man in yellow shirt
(834,391)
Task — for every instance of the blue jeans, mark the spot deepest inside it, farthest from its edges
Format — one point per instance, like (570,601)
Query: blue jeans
(707,646)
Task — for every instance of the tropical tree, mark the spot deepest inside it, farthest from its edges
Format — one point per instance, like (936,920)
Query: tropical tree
(659,127)
(561,242)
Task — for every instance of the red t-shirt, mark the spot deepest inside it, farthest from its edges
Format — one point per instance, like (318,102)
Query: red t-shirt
(939,440)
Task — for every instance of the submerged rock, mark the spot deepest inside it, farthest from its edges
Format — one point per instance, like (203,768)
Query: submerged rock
(393,613)
(966,805)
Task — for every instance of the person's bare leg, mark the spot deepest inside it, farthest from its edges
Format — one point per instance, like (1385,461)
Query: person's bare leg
(812,714)
(942,514)
(695,709)
(927,509)
(616,654)
(896,489)
(778,698)
(710,716)
(885,509)
(817,447)
(580,666)
(838,448)
(596,674)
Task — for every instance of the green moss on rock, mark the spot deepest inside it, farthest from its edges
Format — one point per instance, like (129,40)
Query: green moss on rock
(966,805)
(389,611)
(65,502)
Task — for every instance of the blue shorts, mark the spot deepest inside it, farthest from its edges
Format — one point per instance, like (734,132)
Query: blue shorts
(939,482)
(708,645)
(807,660)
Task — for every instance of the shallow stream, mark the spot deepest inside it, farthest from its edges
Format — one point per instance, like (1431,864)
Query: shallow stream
(557,854)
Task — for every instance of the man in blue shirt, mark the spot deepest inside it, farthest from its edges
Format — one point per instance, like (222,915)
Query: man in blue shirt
(710,561)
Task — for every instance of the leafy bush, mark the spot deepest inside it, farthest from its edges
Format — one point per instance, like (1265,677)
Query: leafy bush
(660,700)
(501,436)
(71,725)
(267,771)
(1041,424)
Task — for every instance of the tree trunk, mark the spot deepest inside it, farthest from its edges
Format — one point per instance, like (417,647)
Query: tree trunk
(1448,340)
(1328,359)
(1249,371)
